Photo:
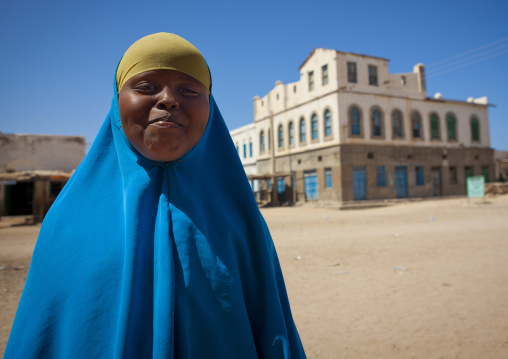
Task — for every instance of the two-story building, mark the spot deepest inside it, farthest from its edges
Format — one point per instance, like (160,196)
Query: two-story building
(350,130)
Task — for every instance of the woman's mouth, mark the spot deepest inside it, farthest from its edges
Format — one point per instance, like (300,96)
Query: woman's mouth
(165,124)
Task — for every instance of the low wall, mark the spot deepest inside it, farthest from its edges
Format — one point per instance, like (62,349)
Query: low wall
(496,188)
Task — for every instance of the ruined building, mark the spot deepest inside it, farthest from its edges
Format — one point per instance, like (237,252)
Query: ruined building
(33,170)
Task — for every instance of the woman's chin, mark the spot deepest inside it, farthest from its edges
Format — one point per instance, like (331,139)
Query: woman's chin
(162,153)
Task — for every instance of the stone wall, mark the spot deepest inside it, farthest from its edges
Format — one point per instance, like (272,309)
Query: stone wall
(496,188)
(40,152)
(341,160)
(430,158)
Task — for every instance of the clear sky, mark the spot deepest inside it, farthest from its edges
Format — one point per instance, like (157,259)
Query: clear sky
(58,57)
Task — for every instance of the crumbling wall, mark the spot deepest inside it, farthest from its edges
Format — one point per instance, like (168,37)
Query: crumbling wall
(496,188)
(40,152)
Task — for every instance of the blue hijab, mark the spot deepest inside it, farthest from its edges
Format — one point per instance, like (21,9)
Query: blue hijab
(142,259)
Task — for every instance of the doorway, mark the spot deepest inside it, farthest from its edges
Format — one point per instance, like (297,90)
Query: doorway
(310,183)
(401,181)
(359,184)
(436,181)
(18,199)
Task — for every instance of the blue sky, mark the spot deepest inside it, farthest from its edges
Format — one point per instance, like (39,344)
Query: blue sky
(58,57)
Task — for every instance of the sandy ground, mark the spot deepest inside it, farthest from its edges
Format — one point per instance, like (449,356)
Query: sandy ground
(415,280)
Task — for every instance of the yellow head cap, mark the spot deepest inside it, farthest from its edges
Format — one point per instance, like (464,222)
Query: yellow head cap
(163,51)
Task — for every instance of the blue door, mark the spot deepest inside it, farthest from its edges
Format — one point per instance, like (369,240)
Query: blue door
(401,181)
(311,188)
(359,183)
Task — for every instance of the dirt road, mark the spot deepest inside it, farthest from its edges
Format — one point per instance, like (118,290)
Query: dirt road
(415,280)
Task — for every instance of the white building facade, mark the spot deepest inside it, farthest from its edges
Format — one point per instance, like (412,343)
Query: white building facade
(246,147)
(349,130)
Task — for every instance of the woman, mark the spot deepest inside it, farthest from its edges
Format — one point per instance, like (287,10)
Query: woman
(156,247)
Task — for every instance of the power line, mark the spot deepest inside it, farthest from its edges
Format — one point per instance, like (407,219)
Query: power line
(483,53)
(467,52)
(467,64)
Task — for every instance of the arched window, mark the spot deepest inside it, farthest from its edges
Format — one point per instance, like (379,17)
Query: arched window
(328,123)
(397,124)
(377,128)
(416,124)
(250,147)
(291,133)
(450,125)
(314,127)
(475,129)
(356,128)
(281,136)
(262,141)
(303,135)
(434,127)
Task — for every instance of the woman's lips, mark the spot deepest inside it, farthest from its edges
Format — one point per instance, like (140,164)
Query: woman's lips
(165,124)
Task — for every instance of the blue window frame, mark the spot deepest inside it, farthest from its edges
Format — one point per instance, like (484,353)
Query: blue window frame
(376,123)
(291,133)
(281,189)
(281,136)
(419,175)
(416,124)
(381,176)
(244,150)
(303,135)
(328,123)
(269,184)
(281,185)
(397,124)
(328,178)
(250,148)
(314,127)
(356,128)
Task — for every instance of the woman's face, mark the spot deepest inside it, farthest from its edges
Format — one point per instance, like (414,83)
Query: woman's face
(163,113)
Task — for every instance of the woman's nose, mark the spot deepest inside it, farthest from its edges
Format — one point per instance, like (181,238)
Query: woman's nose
(167,100)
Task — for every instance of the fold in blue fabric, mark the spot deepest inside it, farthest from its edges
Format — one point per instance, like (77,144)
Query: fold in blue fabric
(142,259)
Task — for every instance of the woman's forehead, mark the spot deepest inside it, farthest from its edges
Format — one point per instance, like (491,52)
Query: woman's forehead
(167,76)
(163,73)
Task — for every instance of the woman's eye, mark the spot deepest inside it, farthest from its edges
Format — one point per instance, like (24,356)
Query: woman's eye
(145,87)
(187,90)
